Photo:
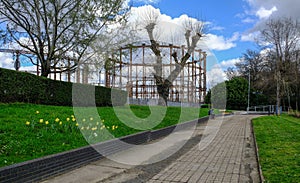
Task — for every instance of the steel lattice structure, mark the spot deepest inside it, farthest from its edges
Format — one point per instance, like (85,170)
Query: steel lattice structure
(131,69)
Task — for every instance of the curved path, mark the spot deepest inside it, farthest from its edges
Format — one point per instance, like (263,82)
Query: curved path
(228,157)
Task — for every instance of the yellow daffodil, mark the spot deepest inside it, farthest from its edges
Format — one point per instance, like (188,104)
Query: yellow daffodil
(41,120)
(113,127)
(83,120)
(68,119)
(27,123)
(47,122)
(102,120)
(95,128)
(91,119)
(76,124)
(57,120)
(72,116)
(82,128)
(37,112)
(60,123)
(73,119)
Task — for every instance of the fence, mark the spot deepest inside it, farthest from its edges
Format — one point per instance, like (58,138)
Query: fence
(263,109)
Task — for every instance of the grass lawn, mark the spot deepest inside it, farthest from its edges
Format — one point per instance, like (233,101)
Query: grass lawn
(29,131)
(278,140)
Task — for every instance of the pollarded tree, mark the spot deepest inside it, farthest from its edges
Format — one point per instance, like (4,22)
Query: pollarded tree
(193,33)
(56,29)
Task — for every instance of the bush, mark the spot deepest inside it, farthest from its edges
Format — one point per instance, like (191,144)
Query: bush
(18,86)
(205,106)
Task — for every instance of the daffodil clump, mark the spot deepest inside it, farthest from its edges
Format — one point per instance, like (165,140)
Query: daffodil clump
(43,121)
(97,130)
(91,129)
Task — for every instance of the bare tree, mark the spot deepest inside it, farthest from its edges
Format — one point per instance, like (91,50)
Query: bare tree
(231,72)
(57,29)
(283,36)
(98,55)
(193,33)
(253,63)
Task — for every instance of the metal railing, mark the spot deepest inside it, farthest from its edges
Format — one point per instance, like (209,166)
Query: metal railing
(265,109)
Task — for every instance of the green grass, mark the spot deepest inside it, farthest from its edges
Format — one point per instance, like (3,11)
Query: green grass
(278,140)
(29,131)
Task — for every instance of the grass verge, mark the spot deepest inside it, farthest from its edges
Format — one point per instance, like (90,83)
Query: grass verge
(278,140)
(29,131)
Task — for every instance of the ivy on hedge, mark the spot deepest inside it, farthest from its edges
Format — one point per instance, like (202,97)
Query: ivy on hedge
(18,86)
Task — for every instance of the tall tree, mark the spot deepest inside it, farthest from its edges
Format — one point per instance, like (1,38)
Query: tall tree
(283,37)
(193,33)
(57,29)
(253,63)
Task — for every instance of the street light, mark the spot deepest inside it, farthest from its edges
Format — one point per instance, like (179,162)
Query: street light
(100,77)
(248,89)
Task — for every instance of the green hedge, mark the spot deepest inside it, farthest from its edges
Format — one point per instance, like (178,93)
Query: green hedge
(204,106)
(18,86)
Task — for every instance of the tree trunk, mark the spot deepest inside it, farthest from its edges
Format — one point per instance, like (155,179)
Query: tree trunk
(45,69)
(163,89)
(278,96)
(297,82)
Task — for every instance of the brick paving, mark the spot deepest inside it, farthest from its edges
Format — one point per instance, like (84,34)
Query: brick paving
(223,160)
(228,157)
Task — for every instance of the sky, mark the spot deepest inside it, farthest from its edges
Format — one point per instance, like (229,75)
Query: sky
(232,25)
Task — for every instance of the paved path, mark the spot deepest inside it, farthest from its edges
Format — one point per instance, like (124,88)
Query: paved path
(228,157)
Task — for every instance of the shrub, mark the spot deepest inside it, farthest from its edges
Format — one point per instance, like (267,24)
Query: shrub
(18,86)
(205,106)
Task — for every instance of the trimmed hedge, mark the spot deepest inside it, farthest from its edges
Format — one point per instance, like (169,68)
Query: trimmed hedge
(18,86)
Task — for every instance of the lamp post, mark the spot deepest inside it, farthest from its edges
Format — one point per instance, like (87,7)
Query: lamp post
(100,77)
(248,90)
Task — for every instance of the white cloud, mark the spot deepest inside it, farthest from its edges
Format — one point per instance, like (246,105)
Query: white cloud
(260,11)
(273,8)
(251,36)
(216,42)
(229,63)
(6,61)
(248,20)
(263,13)
(212,26)
(235,37)
(31,69)
(215,75)
(289,8)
